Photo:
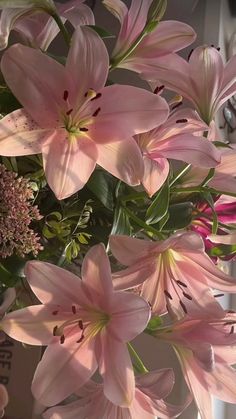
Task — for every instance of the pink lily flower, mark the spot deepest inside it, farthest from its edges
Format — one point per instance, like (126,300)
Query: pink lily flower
(71,118)
(175,140)
(85,324)
(205,350)
(148,401)
(173,275)
(167,37)
(225,208)
(3,399)
(224,179)
(39,29)
(203,80)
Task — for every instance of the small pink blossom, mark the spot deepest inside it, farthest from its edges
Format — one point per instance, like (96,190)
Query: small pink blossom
(204,80)
(206,351)
(174,275)
(174,139)
(148,401)
(85,324)
(166,38)
(71,118)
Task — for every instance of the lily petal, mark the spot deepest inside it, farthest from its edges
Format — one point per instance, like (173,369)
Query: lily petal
(129,250)
(155,174)
(75,160)
(71,365)
(122,159)
(20,135)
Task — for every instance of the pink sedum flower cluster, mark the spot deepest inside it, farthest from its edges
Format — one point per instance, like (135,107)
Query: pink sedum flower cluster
(74,118)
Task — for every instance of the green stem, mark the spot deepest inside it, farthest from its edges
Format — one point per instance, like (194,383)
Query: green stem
(202,189)
(180,174)
(138,363)
(133,197)
(141,223)
(62,28)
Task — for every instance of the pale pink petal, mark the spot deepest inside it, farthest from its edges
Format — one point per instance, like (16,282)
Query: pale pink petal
(221,381)
(87,63)
(222,182)
(7,21)
(191,149)
(153,289)
(130,316)
(134,276)
(194,377)
(20,135)
(226,353)
(77,13)
(119,383)
(117,8)
(129,250)
(155,174)
(169,36)
(122,159)
(172,71)
(156,384)
(63,368)
(68,163)
(33,325)
(69,411)
(35,78)
(206,69)
(96,275)
(187,240)
(224,239)
(3,399)
(193,124)
(204,355)
(54,285)
(228,87)
(125,111)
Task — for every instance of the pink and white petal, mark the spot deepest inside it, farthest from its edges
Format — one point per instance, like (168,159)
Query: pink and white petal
(68,163)
(224,239)
(228,87)
(128,250)
(171,70)
(119,383)
(37,81)
(130,316)
(155,174)
(133,276)
(209,273)
(54,285)
(76,13)
(20,135)
(117,8)
(156,384)
(96,276)
(221,381)
(153,289)
(8,19)
(222,182)
(87,63)
(195,379)
(122,159)
(187,240)
(191,149)
(193,124)
(125,111)
(63,369)
(33,325)
(206,68)
(169,36)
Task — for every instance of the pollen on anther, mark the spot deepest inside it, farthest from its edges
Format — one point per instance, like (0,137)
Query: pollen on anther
(158,89)
(55,312)
(231,330)
(187,296)
(65,94)
(183,306)
(98,95)
(62,339)
(80,339)
(69,112)
(83,129)
(181,121)
(55,330)
(81,326)
(168,294)
(96,112)
(73,308)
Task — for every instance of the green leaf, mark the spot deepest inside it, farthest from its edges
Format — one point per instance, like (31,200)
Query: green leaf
(7,278)
(180,216)
(121,224)
(72,250)
(103,33)
(207,196)
(159,206)
(102,184)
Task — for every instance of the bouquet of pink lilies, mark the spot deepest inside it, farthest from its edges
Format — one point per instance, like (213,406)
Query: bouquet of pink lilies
(99,224)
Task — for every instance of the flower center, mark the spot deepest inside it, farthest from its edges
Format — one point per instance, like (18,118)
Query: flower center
(77,121)
(83,324)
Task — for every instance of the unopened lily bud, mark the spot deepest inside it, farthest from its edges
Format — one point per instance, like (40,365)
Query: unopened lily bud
(157,10)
